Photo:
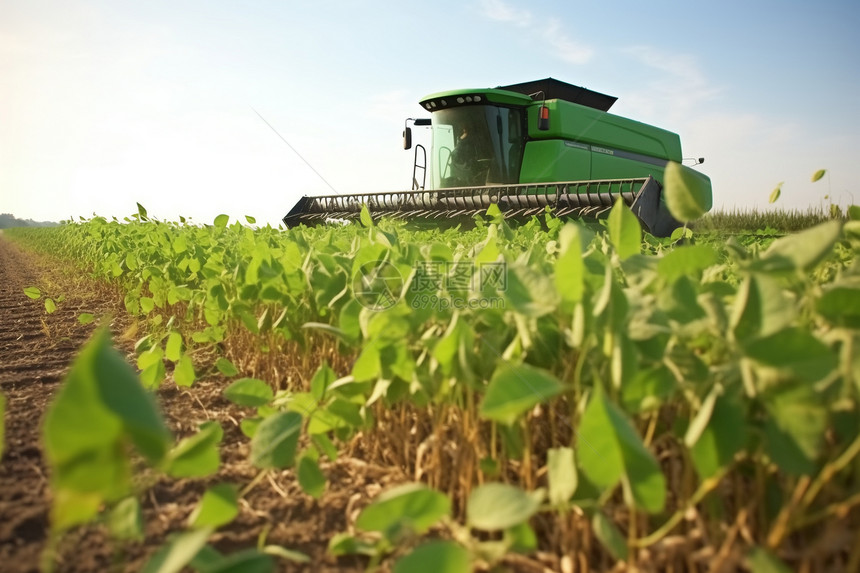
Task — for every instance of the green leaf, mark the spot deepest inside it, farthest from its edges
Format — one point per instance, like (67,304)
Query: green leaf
(686,260)
(250,392)
(179,552)
(774,195)
(365,217)
(33,292)
(141,212)
(840,306)
(435,557)
(98,410)
(719,441)
(761,560)
(818,175)
(221,221)
(795,351)
(251,220)
(125,520)
(50,306)
(795,426)
(183,373)
(311,478)
(687,196)
(86,318)
(625,232)
(561,475)
(609,536)
(569,267)
(803,250)
(411,507)
(244,561)
(274,443)
(146,304)
(173,348)
(498,506)
(197,455)
(219,506)
(323,378)
(610,448)
(226,367)
(515,389)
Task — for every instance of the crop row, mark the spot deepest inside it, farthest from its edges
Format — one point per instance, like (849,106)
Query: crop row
(540,381)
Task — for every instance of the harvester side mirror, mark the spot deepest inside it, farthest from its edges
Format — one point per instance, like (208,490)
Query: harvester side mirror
(543,118)
(407,138)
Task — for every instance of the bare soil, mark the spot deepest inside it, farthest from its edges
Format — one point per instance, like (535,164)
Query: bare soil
(37,350)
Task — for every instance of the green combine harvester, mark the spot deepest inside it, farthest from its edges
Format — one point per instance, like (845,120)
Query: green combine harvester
(524,147)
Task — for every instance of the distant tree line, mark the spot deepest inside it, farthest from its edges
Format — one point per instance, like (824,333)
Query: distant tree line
(8,220)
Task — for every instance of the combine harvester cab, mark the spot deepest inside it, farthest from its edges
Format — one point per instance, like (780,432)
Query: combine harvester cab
(524,147)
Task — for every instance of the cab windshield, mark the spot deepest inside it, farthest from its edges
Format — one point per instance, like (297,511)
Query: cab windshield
(477,145)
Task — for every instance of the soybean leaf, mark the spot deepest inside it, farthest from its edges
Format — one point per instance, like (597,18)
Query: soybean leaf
(183,373)
(841,306)
(686,260)
(226,367)
(795,426)
(311,478)
(274,442)
(365,217)
(774,195)
(50,306)
(100,407)
(219,506)
(686,193)
(818,175)
(498,506)
(250,392)
(561,475)
(323,378)
(173,347)
(801,251)
(141,212)
(724,436)
(610,448)
(625,232)
(197,455)
(435,557)
(86,318)
(409,507)
(796,351)
(33,292)
(125,520)
(179,552)
(761,560)
(609,536)
(221,221)
(569,267)
(514,389)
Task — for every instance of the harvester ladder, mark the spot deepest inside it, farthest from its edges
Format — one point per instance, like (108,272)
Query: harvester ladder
(419,166)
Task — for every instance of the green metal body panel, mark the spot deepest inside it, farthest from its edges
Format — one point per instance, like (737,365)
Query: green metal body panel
(573,122)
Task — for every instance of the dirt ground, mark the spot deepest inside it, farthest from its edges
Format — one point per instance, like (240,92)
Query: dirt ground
(36,351)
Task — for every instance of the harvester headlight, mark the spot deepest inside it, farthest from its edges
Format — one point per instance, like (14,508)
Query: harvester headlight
(443,102)
(469,99)
(461,100)
(477,99)
(428,106)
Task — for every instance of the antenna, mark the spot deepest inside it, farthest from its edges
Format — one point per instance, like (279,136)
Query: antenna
(296,151)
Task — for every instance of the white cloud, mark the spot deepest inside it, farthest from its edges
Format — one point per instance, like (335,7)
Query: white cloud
(550,31)
(504,12)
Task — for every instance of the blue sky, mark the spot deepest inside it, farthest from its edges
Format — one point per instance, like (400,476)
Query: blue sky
(108,103)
